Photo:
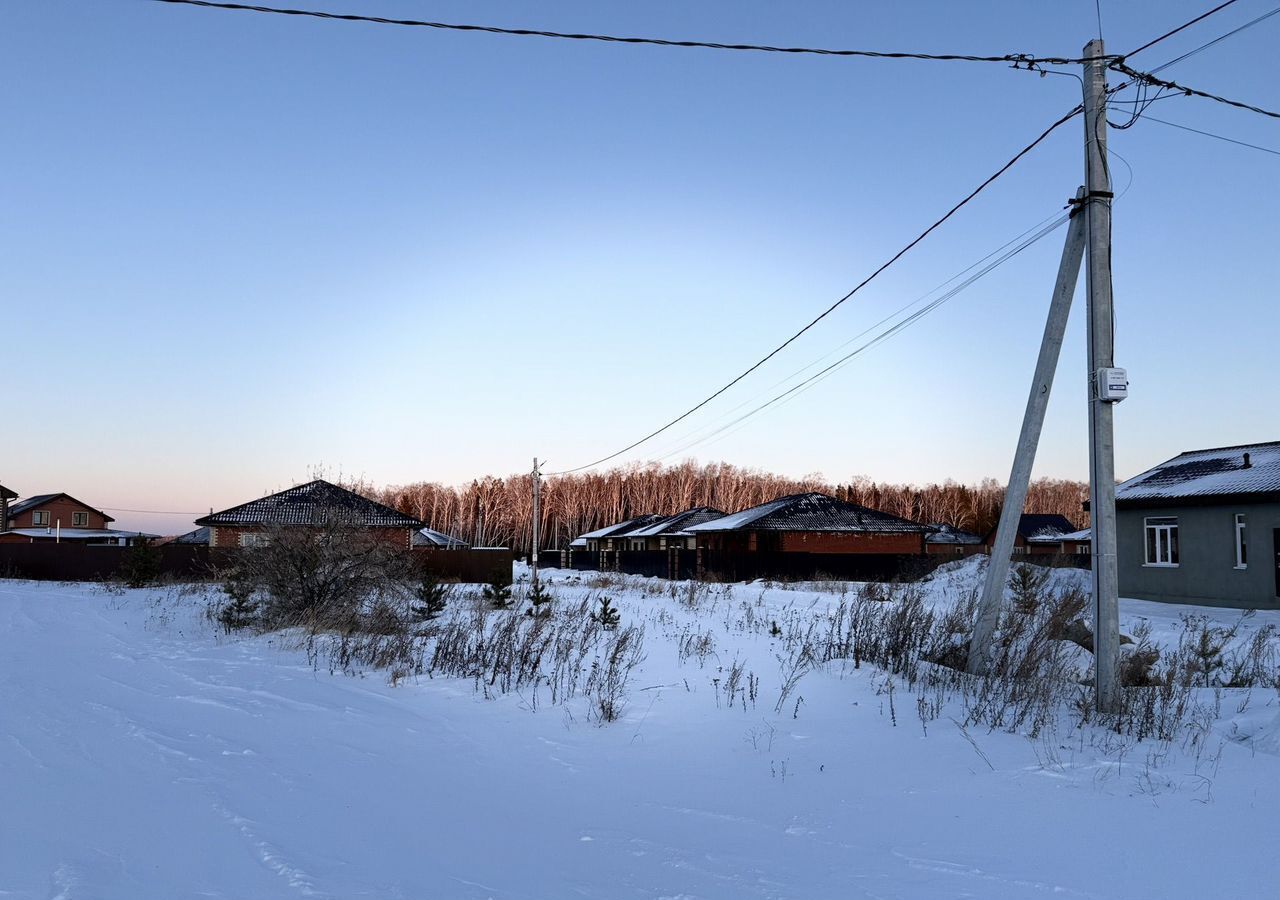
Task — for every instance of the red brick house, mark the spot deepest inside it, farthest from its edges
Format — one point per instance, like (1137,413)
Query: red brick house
(306,505)
(58,518)
(812,523)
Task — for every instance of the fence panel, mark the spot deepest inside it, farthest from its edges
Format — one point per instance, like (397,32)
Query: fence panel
(645,562)
(473,566)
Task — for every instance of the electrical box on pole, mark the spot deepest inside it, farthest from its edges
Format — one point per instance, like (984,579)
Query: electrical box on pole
(1113,385)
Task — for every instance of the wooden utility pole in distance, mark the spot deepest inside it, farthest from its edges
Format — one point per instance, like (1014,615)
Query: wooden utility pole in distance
(1102,470)
(1015,495)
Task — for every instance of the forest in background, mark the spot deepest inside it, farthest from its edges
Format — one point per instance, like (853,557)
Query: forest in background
(499,511)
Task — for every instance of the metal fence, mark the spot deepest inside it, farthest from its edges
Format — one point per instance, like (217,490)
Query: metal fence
(87,562)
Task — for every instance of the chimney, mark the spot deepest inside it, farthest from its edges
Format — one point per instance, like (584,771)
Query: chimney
(1247,463)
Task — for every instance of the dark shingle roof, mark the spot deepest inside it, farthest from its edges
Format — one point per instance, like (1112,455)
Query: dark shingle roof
(811,512)
(307,504)
(675,525)
(1043,525)
(1200,475)
(7,494)
(16,509)
(620,528)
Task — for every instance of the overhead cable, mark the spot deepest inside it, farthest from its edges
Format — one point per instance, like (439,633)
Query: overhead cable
(1017,59)
(830,309)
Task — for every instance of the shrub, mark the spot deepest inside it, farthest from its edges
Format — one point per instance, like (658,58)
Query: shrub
(432,596)
(498,592)
(540,601)
(140,564)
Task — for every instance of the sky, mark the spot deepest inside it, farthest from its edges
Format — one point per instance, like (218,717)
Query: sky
(236,248)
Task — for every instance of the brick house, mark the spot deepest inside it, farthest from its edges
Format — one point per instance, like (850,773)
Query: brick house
(58,518)
(812,523)
(668,531)
(1037,533)
(306,505)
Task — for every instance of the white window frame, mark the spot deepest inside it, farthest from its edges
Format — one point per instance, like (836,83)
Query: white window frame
(1242,541)
(254,539)
(40,517)
(79,520)
(1161,527)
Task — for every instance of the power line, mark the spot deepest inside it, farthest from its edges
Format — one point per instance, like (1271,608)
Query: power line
(880,338)
(151,512)
(1018,59)
(874,325)
(1220,137)
(1148,78)
(1218,39)
(1183,26)
(830,309)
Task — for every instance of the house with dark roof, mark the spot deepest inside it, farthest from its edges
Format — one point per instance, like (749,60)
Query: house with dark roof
(812,523)
(669,532)
(947,540)
(1073,543)
(306,506)
(1036,533)
(58,518)
(1203,527)
(610,537)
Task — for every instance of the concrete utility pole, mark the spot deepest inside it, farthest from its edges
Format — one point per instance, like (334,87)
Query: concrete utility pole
(1102,470)
(1015,496)
(537,502)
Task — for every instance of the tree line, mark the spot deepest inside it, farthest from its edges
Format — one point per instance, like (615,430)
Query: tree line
(494,511)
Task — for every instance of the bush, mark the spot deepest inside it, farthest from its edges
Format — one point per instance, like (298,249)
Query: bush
(140,564)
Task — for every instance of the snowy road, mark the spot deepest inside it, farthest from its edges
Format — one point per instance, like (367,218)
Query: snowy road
(143,756)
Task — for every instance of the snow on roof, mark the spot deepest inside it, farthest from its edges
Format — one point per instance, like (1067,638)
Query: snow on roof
(199,536)
(619,528)
(810,512)
(676,525)
(305,504)
(78,534)
(578,543)
(429,537)
(1209,473)
(947,534)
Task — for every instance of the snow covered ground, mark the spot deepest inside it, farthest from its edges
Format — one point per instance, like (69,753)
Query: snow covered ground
(143,754)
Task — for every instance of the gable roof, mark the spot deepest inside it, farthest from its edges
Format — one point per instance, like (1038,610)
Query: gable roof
(198,537)
(1203,475)
(619,528)
(17,509)
(811,512)
(675,525)
(1043,525)
(304,504)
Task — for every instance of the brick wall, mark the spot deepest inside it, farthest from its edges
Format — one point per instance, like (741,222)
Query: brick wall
(831,542)
(59,508)
(229,537)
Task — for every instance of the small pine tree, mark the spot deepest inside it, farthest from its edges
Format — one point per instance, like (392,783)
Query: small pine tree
(774,630)
(607,615)
(1027,583)
(241,610)
(432,596)
(540,598)
(140,564)
(498,593)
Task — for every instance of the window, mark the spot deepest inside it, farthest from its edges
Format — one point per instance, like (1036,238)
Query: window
(254,539)
(80,520)
(40,517)
(1242,546)
(1162,541)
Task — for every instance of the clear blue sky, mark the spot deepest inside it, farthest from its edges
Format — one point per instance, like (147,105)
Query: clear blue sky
(236,246)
